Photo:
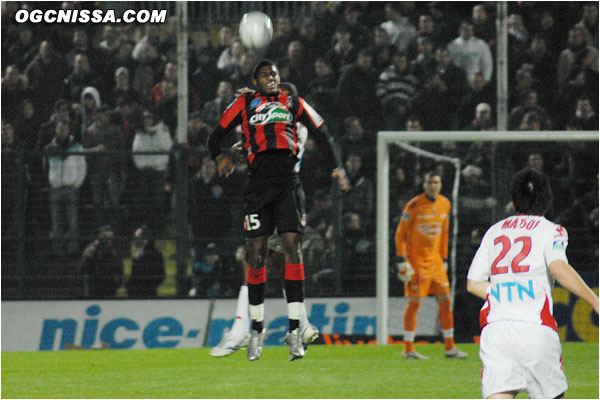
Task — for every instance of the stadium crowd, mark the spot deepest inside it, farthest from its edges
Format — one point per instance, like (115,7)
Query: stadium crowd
(105,91)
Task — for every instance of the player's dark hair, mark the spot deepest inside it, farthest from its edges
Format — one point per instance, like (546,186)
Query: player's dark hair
(261,64)
(530,192)
(289,87)
(431,174)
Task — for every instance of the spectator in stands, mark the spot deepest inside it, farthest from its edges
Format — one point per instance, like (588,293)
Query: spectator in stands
(357,253)
(524,82)
(589,23)
(166,107)
(568,56)
(129,116)
(470,53)
(312,174)
(241,76)
(544,68)
(62,112)
(12,181)
(203,77)
(359,33)
(151,36)
(535,161)
(101,266)
(585,115)
(425,60)
(231,57)
(283,36)
(110,38)
(343,52)
(357,140)
(484,27)
(483,119)
(518,39)
(529,102)
(45,75)
(475,200)
(27,125)
(531,122)
(199,41)
(315,246)
(151,175)
(322,90)
(361,198)
(147,70)
(198,131)
(24,49)
(401,191)
(298,66)
(357,87)
(90,101)
(425,29)
(213,109)
(551,32)
(122,87)
(454,77)
(147,266)
(66,173)
(383,50)
(225,39)
(169,74)
(479,91)
(98,60)
(207,273)
(325,21)
(80,77)
(14,90)
(123,57)
(106,168)
(206,199)
(434,104)
(399,28)
(396,81)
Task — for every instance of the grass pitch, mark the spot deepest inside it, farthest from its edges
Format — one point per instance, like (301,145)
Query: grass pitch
(325,372)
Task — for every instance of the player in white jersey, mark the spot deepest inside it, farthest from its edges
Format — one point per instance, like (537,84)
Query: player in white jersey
(514,270)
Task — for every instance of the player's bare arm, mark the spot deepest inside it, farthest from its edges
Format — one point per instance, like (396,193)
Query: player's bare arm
(570,279)
(479,289)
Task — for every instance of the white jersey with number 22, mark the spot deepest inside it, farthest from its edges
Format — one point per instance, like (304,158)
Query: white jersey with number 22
(514,255)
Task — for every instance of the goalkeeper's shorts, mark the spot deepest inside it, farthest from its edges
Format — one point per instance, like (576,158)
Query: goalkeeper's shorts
(423,286)
(518,356)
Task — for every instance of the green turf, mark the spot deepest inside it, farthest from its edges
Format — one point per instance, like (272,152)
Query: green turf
(326,372)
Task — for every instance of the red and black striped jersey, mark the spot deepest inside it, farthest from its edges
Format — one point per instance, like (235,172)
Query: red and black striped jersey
(269,123)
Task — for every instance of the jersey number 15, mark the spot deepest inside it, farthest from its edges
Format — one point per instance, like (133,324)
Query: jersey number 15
(514,265)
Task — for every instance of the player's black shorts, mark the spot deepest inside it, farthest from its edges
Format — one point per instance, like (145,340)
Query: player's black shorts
(274,204)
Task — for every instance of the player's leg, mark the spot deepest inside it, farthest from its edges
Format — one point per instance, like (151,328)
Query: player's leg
(440,287)
(238,336)
(291,243)
(257,278)
(415,290)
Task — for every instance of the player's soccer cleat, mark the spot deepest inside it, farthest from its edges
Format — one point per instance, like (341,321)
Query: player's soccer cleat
(294,340)
(230,344)
(255,345)
(455,352)
(414,355)
(309,334)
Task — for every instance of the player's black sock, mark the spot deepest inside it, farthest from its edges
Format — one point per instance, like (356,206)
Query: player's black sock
(257,326)
(294,323)
(294,291)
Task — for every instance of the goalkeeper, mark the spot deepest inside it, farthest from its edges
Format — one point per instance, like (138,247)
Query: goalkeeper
(422,251)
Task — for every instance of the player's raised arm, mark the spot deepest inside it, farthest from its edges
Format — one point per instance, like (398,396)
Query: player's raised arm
(571,280)
(229,120)
(319,131)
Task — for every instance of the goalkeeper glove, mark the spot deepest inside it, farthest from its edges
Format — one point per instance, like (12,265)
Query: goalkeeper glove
(404,270)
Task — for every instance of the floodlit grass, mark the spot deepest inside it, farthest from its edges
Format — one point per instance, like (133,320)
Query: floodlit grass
(325,372)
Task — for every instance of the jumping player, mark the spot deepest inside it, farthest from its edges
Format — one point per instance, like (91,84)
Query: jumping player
(239,335)
(274,197)
(514,270)
(422,252)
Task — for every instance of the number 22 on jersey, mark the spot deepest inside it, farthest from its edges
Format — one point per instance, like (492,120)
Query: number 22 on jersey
(505,242)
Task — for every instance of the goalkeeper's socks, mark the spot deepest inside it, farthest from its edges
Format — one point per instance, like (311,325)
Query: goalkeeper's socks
(448,343)
(409,346)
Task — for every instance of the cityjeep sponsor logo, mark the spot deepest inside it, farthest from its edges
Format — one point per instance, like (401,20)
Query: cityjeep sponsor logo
(270,113)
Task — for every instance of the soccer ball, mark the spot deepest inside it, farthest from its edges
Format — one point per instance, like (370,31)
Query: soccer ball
(256,30)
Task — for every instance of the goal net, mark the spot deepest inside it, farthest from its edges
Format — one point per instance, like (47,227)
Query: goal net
(476,169)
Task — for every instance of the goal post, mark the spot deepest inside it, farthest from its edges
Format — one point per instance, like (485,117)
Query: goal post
(384,139)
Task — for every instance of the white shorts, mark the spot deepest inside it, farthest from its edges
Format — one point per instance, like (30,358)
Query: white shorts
(518,356)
